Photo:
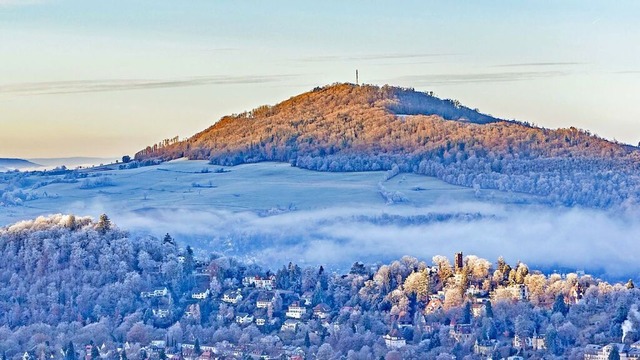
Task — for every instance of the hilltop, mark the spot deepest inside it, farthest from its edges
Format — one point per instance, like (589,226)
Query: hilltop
(346,127)
(352,119)
(347,119)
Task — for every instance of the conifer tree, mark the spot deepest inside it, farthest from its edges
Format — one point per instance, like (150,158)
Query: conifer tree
(95,354)
(104,224)
(466,313)
(196,347)
(488,309)
(168,239)
(70,353)
(560,306)
(614,354)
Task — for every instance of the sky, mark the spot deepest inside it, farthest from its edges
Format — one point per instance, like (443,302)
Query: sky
(107,78)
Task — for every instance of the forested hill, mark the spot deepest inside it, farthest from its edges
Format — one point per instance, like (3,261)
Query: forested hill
(63,268)
(347,127)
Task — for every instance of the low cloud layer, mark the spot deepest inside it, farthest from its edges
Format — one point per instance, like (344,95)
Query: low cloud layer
(4,3)
(368,57)
(492,77)
(539,64)
(92,86)
(541,237)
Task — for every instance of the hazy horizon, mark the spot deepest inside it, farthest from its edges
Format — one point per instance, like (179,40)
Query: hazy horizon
(93,79)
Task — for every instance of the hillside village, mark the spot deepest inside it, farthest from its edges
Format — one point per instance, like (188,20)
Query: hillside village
(175,304)
(276,307)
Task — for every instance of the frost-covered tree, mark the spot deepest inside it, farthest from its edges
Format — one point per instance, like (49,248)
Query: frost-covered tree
(104,224)
(443,266)
(418,283)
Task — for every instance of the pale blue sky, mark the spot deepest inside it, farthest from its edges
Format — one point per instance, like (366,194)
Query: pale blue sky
(107,78)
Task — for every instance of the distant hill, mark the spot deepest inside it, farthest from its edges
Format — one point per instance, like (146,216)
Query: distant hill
(346,127)
(11,164)
(73,162)
(49,163)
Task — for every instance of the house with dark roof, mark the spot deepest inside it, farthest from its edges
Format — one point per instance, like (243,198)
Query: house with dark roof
(321,311)
(265,299)
(461,332)
(394,340)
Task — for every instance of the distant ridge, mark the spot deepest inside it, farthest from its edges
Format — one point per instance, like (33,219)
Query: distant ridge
(72,162)
(12,164)
(347,127)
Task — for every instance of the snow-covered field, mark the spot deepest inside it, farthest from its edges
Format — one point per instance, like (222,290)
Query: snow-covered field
(195,185)
(273,212)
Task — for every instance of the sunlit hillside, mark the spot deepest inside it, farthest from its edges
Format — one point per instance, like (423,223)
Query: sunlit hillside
(347,127)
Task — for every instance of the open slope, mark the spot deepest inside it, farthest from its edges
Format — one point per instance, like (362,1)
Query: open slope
(196,185)
(346,127)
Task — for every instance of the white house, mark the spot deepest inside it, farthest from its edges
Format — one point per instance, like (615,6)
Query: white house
(394,339)
(200,295)
(232,296)
(160,313)
(296,311)
(596,352)
(244,318)
(535,342)
(155,293)
(188,346)
(267,283)
(485,347)
(161,292)
(158,344)
(289,325)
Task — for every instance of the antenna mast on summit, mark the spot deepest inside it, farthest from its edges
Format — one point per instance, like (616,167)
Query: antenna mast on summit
(357,77)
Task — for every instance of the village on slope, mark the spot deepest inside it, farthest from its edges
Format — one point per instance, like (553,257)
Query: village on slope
(148,298)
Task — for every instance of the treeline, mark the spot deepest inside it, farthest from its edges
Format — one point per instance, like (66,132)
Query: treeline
(155,147)
(346,127)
